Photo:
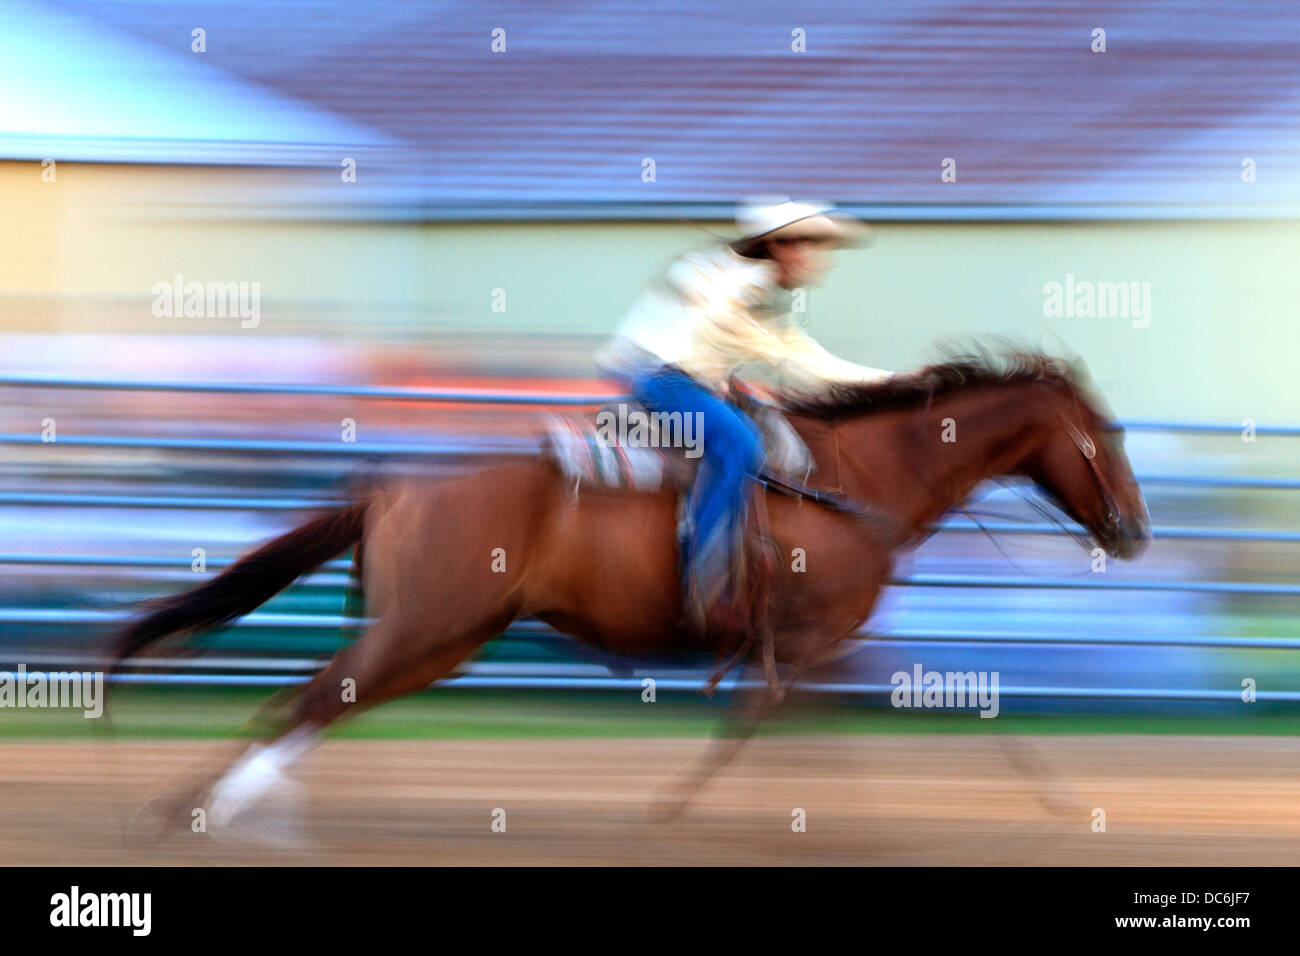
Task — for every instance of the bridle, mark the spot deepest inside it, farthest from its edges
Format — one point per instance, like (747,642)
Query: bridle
(1088,448)
(892,529)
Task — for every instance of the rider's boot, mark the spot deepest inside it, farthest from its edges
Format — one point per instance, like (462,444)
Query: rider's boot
(717,603)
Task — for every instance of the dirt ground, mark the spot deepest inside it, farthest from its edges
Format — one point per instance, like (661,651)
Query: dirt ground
(907,799)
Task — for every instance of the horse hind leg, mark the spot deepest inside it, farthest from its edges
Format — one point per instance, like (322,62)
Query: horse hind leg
(362,675)
(434,608)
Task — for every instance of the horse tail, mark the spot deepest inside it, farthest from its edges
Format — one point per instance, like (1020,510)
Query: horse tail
(249,582)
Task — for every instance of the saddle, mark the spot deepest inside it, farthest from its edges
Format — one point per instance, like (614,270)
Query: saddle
(623,447)
(626,446)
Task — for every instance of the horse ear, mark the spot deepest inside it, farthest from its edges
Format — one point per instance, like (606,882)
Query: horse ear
(1078,375)
(1070,359)
(1077,371)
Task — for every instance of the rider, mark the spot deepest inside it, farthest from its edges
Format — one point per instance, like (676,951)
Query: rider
(689,332)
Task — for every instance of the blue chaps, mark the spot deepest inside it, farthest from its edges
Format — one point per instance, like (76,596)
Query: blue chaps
(731,452)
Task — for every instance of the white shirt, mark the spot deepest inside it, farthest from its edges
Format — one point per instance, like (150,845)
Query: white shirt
(715,311)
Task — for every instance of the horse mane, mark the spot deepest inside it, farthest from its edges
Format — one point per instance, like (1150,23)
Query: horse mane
(971,368)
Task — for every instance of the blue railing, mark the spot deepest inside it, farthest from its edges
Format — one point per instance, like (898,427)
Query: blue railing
(201,671)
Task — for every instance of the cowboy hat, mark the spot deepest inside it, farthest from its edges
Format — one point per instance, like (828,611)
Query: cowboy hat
(762,220)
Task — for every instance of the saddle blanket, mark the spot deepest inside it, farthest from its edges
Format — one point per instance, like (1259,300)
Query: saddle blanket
(588,453)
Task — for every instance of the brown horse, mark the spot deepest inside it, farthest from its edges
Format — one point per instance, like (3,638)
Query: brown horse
(450,564)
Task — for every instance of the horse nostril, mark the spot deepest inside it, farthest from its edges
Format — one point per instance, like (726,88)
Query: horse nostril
(1139,536)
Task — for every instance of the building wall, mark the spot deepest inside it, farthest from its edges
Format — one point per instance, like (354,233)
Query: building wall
(82,254)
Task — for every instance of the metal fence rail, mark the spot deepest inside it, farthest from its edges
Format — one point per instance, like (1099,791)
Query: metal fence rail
(579,676)
(427,450)
(489,397)
(1083,582)
(536,630)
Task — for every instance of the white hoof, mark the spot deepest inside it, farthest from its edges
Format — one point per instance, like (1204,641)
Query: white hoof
(251,778)
(274,820)
(257,774)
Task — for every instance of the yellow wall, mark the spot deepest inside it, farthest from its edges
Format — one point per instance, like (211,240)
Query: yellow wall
(82,254)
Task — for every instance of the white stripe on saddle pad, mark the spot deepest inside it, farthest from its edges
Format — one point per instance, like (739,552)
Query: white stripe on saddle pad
(584,457)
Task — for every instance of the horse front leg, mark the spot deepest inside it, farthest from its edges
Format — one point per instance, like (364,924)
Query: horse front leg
(1056,793)
(750,706)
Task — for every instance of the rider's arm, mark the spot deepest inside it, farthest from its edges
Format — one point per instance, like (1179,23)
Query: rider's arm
(725,332)
(807,360)
(798,361)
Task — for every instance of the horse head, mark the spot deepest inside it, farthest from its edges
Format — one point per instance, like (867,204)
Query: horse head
(1021,413)
(1080,463)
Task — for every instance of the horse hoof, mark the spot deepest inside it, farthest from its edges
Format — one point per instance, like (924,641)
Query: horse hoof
(666,808)
(273,821)
(1063,802)
(152,823)
(169,812)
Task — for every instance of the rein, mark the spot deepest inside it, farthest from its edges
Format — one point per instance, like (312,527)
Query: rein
(885,523)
